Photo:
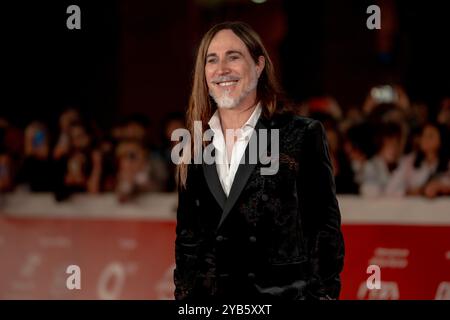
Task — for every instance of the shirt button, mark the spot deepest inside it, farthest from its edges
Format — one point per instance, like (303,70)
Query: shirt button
(252,239)
(219,238)
(265,197)
(251,275)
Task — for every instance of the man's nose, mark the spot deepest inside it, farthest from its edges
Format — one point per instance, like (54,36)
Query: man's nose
(223,67)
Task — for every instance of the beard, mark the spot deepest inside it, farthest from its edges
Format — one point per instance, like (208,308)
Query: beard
(226,101)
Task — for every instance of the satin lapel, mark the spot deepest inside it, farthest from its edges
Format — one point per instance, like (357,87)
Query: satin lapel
(212,179)
(242,175)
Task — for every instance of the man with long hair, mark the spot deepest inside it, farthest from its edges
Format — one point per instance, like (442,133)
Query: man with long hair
(243,232)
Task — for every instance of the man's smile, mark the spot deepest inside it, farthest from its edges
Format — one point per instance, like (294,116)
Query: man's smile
(227,83)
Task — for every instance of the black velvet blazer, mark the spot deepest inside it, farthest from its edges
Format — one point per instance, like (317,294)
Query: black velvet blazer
(275,236)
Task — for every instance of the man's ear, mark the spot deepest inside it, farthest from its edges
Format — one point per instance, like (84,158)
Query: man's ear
(260,65)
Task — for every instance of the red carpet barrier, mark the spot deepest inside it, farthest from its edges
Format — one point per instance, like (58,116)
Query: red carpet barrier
(133,259)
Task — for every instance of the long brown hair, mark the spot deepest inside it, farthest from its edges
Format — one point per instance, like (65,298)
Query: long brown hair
(201,106)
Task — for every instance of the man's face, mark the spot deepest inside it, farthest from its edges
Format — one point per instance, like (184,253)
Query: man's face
(231,73)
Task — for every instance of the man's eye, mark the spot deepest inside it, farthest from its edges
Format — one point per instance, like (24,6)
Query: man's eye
(234,57)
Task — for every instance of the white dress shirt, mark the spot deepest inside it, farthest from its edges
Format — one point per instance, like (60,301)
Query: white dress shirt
(228,157)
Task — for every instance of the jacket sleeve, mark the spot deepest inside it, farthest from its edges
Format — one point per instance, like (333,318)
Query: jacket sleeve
(325,242)
(186,245)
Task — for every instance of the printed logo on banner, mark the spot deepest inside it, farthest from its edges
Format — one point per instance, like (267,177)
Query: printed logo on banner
(32,262)
(396,258)
(388,291)
(165,287)
(443,291)
(375,289)
(447,255)
(113,278)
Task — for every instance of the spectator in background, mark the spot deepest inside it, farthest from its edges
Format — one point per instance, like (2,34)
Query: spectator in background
(417,169)
(6,176)
(134,127)
(390,113)
(107,147)
(438,185)
(353,116)
(66,120)
(80,169)
(36,171)
(378,171)
(358,147)
(443,116)
(418,115)
(389,104)
(414,120)
(139,171)
(342,170)
(393,95)
(325,105)
(173,121)
(6,159)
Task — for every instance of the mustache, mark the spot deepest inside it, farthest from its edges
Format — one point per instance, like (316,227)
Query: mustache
(225,79)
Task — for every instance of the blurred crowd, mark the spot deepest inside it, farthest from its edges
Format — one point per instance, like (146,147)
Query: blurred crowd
(390,146)
(78,157)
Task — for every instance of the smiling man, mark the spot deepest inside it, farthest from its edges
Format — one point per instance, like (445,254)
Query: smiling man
(230,72)
(240,233)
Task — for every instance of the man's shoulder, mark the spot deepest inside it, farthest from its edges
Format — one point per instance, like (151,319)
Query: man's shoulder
(301,122)
(291,121)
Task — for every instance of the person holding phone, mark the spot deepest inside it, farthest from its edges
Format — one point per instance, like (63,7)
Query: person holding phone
(36,171)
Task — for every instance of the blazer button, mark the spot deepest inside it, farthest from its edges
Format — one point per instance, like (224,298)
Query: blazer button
(251,275)
(219,238)
(197,202)
(252,239)
(265,197)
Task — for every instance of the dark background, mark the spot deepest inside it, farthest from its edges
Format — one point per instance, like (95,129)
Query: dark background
(137,56)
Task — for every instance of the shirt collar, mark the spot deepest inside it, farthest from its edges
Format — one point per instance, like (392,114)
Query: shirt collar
(251,122)
(214,122)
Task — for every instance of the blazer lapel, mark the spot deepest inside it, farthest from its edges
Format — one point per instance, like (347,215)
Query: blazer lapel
(212,179)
